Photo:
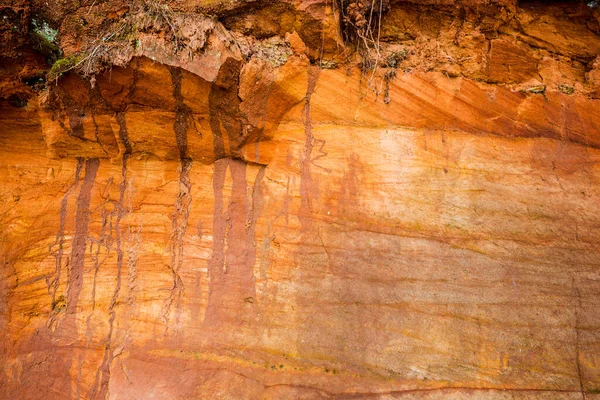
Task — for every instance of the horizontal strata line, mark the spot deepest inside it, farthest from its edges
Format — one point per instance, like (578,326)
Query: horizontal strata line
(390,392)
(426,390)
(347,395)
(392,126)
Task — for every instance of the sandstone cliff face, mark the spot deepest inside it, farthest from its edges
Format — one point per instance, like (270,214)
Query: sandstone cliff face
(300,199)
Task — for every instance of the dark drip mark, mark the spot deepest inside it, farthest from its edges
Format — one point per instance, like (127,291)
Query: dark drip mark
(231,268)
(179,218)
(224,110)
(100,388)
(54,282)
(98,105)
(123,135)
(108,214)
(76,123)
(102,379)
(270,237)
(306,184)
(97,136)
(179,222)
(134,238)
(220,225)
(261,132)
(254,212)
(106,236)
(182,114)
(82,217)
(67,111)
(77,261)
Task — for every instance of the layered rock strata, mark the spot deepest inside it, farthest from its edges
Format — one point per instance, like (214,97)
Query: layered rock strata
(306,200)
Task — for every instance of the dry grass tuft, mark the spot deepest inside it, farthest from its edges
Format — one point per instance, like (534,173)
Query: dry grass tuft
(361,26)
(120,39)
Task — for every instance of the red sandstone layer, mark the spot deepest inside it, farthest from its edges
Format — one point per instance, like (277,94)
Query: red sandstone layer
(256,200)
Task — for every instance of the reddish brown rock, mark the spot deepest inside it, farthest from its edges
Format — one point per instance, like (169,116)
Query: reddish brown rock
(277,218)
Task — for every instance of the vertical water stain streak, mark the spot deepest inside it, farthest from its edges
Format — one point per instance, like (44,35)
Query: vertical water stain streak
(105,240)
(220,225)
(82,218)
(180,216)
(102,378)
(120,116)
(231,267)
(224,109)
(306,185)
(231,275)
(60,236)
(77,261)
(108,214)
(76,118)
(266,252)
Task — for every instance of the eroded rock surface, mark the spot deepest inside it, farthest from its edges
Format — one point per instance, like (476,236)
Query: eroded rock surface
(257,200)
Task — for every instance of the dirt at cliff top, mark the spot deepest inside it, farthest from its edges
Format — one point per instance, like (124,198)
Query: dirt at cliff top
(523,44)
(244,50)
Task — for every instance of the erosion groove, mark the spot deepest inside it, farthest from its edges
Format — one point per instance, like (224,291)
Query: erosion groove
(183,202)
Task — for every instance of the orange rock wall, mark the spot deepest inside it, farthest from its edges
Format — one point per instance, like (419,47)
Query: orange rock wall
(299,232)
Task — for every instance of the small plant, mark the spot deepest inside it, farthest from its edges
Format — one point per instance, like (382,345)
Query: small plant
(44,30)
(44,40)
(63,65)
